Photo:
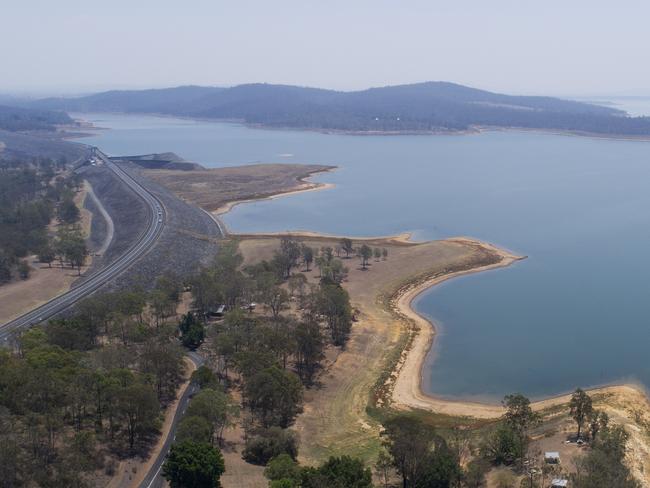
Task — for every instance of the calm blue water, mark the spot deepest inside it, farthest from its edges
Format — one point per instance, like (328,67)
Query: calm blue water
(576,313)
(634,106)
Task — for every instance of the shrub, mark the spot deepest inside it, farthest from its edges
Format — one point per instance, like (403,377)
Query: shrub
(270,443)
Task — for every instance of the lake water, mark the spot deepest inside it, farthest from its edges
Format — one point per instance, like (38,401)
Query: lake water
(575,313)
(634,106)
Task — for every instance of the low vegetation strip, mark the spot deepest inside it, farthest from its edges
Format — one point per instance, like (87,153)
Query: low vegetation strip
(220,188)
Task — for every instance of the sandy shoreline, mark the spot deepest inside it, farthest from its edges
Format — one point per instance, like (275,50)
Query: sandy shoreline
(335,417)
(308,186)
(304,186)
(407,388)
(406,391)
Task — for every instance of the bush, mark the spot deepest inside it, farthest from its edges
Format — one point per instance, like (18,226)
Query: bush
(339,472)
(193,465)
(282,467)
(194,428)
(270,443)
(502,446)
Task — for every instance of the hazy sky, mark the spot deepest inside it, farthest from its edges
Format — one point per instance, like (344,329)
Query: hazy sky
(560,47)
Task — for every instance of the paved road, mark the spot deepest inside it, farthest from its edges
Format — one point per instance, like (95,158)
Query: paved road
(156,223)
(153,478)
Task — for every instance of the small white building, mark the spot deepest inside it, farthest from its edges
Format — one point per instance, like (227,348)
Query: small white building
(552,457)
(559,483)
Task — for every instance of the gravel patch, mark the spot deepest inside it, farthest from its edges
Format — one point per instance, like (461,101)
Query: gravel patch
(188,240)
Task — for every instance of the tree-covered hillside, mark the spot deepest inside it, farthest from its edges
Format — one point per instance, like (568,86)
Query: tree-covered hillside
(19,119)
(422,107)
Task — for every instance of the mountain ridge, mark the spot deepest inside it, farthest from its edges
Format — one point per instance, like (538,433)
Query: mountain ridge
(433,106)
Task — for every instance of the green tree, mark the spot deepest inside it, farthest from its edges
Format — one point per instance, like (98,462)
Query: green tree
(192,331)
(288,255)
(194,336)
(415,448)
(581,408)
(193,465)
(139,407)
(307,256)
(503,445)
(274,396)
(164,362)
(309,350)
(216,407)
(46,255)
(205,378)
(297,283)
(71,246)
(281,467)
(68,212)
(338,472)
(275,299)
(365,253)
(267,444)
(598,421)
(334,304)
(194,428)
(347,246)
(520,418)
(604,465)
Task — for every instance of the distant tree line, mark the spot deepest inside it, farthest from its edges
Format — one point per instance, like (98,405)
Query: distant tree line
(421,107)
(85,387)
(23,119)
(32,194)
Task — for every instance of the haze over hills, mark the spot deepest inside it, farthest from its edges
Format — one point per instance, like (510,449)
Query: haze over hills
(422,107)
(21,119)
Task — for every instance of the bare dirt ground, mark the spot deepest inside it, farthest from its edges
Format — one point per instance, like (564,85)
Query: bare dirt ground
(214,188)
(335,419)
(44,283)
(626,405)
(239,473)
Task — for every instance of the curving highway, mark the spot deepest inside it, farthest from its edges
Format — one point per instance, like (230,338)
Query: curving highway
(153,478)
(149,236)
(155,226)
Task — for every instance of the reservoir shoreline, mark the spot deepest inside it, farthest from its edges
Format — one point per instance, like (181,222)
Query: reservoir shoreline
(464,202)
(407,388)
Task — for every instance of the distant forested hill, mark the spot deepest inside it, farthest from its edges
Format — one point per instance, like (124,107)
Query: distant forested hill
(422,107)
(19,119)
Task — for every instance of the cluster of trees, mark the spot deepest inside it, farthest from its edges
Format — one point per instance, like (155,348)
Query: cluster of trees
(416,107)
(21,119)
(84,387)
(31,194)
(364,252)
(195,459)
(63,409)
(192,464)
(337,472)
(272,356)
(602,466)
